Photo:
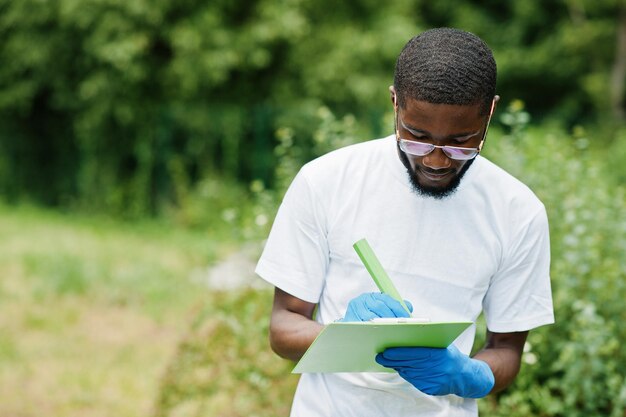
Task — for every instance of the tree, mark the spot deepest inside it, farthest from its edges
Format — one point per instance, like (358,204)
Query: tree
(124,106)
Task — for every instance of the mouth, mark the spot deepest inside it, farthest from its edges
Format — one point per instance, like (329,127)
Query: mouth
(439,177)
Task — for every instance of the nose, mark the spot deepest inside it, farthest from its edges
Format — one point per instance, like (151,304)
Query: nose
(437,160)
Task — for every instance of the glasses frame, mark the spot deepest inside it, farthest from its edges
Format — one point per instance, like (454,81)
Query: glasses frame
(445,148)
(432,146)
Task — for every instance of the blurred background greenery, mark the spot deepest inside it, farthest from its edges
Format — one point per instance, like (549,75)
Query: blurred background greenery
(144,143)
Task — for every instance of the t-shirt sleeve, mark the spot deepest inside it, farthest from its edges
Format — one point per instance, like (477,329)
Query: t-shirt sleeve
(295,256)
(519,297)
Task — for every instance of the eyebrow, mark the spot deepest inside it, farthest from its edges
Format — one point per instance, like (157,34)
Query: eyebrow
(463,135)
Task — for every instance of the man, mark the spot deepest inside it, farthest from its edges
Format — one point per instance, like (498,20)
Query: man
(458,235)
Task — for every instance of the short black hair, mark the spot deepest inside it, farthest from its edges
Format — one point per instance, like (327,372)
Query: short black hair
(446,66)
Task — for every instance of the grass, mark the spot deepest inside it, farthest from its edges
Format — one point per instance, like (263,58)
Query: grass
(225,367)
(92,311)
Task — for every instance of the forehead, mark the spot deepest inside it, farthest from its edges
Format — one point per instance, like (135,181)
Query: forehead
(422,114)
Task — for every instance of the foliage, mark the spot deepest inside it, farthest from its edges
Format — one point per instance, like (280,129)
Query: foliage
(572,368)
(120,107)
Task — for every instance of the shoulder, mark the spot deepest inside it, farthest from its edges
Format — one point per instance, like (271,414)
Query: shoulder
(501,188)
(348,153)
(350,161)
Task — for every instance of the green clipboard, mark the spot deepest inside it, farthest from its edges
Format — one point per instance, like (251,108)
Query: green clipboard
(352,346)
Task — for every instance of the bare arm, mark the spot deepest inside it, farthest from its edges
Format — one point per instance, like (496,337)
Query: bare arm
(503,354)
(292,328)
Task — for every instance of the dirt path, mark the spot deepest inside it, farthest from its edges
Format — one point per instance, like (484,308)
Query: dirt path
(236,271)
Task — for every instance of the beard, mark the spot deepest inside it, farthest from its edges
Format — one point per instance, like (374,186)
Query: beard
(438,193)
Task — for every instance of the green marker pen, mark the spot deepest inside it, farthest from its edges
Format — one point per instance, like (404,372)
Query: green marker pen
(378,273)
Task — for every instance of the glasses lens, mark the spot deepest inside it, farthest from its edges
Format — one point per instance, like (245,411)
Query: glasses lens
(461,154)
(416,148)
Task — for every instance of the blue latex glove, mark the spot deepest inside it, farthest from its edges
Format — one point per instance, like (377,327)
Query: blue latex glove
(371,305)
(440,371)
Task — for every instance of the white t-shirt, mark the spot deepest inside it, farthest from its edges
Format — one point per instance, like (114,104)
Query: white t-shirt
(485,248)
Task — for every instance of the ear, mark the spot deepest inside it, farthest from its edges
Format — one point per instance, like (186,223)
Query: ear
(394,97)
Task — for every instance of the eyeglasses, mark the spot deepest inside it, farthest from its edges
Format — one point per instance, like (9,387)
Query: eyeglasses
(458,153)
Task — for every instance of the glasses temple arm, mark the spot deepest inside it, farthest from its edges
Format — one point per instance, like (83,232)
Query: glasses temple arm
(482,142)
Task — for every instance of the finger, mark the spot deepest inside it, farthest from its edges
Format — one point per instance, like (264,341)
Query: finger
(409,353)
(392,305)
(387,363)
(378,305)
(365,314)
(361,310)
(380,359)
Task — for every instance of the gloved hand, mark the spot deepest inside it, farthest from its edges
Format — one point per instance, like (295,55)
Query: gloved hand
(371,305)
(440,371)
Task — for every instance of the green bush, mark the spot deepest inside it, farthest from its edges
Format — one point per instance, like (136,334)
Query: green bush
(574,367)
